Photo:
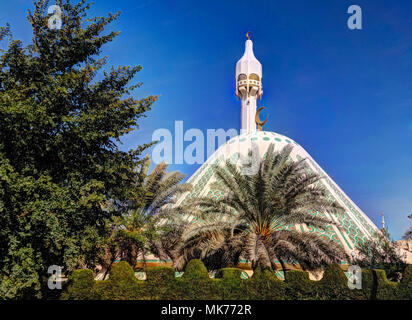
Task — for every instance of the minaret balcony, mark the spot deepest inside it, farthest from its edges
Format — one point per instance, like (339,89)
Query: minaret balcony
(248,81)
(252,87)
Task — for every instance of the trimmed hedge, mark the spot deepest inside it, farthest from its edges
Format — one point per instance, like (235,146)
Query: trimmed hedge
(195,284)
(121,285)
(299,286)
(231,285)
(80,286)
(405,287)
(386,290)
(334,284)
(153,286)
(264,285)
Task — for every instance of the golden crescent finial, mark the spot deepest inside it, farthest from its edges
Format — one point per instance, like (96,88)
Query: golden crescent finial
(248,35)
(259,123)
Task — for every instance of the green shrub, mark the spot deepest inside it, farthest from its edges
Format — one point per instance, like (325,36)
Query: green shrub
(264,285)
(80,286)
(386,290)
(196,284)
(369,285)
(231,285)
(334,284)
(195,270)
(405,287)
(121,285)
(299,286)
(161,284)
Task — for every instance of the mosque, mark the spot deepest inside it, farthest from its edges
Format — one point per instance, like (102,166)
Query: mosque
(352,226)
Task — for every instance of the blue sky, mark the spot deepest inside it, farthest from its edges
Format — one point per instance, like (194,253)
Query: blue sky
(344,95)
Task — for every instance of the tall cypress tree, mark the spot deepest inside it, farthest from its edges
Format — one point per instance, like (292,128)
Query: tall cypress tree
(61,120)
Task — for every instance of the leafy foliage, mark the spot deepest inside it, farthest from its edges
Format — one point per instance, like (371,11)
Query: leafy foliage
(299,286)
(160,275)
(80,286)
(405,287)
(379,252)
(231,285)
(121,285)
(334,284)
(204,288)
(61,119)
(264,285)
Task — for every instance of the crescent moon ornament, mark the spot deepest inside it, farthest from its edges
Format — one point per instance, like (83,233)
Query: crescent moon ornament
(248,35)
(259,123)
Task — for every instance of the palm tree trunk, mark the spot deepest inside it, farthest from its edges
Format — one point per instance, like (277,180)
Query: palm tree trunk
(283,268)
(107,271)
(254,265)
(143,259)
(109,267)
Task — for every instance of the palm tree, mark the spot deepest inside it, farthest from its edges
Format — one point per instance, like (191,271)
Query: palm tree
(248,220)
(136,231)
(170,228)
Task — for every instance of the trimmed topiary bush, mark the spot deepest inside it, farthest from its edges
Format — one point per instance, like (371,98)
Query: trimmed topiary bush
(386,290)
(231,285)
(368,291)
(369,285)
(161,284)
(196,284)
(405,287)
(195,269)
(80,286)
(264,285)
(121,285)
(334,284)
(299,286)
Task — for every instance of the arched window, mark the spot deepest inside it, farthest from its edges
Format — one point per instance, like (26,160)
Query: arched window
(241,76)
(254,76)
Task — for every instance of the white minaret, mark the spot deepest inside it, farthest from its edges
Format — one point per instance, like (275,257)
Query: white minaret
(248,86)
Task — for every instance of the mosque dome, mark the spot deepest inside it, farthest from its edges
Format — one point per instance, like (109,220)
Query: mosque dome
(352,228)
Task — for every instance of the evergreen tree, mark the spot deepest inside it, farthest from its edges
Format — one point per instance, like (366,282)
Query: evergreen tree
(61,118)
